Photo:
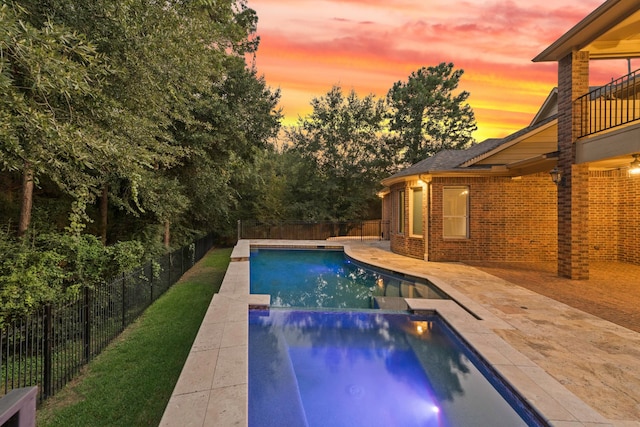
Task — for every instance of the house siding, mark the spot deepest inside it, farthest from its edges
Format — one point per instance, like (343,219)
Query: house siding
(509,220)
(604,214)
(403,243)
(614,207)
(516,220)
(629,238)
(387,206)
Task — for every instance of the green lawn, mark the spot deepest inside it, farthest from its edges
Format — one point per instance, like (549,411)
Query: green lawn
(130,383)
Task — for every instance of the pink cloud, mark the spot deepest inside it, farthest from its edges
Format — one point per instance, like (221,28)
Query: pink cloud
(308,46)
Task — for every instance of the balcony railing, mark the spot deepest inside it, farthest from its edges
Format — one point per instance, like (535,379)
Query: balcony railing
(314,230)
(612,105)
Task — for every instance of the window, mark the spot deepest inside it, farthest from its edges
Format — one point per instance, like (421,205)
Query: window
(455,201)
(416,211)
(400,212)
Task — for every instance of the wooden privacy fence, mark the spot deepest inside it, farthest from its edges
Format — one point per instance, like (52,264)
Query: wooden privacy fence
(48,348)
(314,230)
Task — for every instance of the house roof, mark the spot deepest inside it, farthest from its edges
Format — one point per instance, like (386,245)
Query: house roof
(464,162)
(610,31)
(549,107)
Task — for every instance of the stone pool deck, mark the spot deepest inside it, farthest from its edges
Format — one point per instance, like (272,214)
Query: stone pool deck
(575,368)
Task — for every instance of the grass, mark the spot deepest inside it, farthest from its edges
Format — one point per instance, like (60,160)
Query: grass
(130,383)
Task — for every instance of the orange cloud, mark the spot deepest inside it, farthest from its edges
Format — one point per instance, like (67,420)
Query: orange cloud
(367,45)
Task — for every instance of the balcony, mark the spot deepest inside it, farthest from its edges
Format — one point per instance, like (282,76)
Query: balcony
(610,106)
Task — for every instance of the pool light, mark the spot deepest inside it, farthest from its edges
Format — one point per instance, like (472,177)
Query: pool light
(422,327)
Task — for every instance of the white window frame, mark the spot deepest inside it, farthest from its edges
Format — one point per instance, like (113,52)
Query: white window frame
(460,219)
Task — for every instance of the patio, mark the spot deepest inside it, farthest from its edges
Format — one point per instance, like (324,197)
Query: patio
(564,357)
(611,293)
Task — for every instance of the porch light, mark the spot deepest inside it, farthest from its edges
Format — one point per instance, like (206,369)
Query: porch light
(634,167)
(556,176)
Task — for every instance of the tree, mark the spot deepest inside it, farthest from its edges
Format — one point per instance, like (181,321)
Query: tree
(230,129)
(342,139)
(47,72)
(427,115)
(168,59)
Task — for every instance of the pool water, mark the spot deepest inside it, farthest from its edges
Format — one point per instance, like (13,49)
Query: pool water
(369,368)
(328,279)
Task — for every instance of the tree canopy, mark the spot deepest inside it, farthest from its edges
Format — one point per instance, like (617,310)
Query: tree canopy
(428,115)
(347,144)
(128,127)
(122,99)
(123,120)
(341,145)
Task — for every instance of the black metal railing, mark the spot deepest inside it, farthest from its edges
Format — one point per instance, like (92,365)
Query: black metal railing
(612,105)
(314,230)
(48,348)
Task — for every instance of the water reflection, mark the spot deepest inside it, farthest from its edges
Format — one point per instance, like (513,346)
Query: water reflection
(299,278)
(345,366)
(363,368)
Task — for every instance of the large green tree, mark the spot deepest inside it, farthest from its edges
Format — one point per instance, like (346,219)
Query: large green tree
(343,152)
(166,60)
(48,74)
(428,114)
(232,129)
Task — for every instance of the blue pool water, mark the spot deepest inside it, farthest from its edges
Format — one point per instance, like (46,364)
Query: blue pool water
(369,368)
(328,279)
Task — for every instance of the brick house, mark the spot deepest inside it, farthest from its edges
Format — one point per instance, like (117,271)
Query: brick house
(498,201)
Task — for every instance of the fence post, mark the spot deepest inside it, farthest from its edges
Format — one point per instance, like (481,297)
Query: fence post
(87,324)
(239,229)
(182,259)
(151,278)
(47,379)
(124,303)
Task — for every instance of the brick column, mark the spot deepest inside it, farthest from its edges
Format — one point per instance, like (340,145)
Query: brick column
(573,192)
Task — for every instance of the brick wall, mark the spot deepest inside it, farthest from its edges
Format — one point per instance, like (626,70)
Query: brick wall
(614,211)
(386,210)
(516,220)
(509,220)
(404,243)
(604,189)
(629,219)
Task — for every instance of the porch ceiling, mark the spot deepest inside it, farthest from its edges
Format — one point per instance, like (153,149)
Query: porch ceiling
(610,31)
(610,150)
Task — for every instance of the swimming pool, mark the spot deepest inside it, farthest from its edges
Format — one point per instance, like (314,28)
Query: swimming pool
(329,279)
(370,368)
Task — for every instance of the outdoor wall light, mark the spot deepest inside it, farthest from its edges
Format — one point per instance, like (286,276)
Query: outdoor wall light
(556,176)
(634,167)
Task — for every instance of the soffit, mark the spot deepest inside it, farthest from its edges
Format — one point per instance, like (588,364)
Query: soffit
(611,31)
(513,139)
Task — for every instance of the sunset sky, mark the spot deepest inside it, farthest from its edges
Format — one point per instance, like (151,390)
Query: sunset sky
(307,46)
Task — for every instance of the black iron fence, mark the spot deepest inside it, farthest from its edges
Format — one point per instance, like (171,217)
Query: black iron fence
(314,230)
(611,105)
(48,348)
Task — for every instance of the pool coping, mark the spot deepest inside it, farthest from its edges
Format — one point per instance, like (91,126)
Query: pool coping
(213,385)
